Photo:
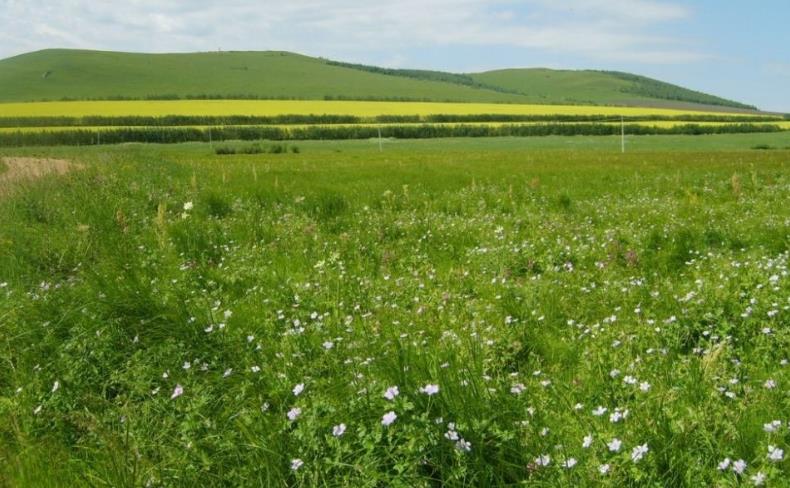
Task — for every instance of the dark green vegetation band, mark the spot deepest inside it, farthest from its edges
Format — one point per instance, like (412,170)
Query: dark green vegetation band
(167,135)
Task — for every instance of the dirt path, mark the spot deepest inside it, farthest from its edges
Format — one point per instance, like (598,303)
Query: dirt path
(32,168)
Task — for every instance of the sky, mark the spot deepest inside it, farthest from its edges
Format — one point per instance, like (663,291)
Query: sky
(731,48)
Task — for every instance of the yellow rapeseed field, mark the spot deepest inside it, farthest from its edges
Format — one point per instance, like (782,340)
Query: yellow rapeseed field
(307,107)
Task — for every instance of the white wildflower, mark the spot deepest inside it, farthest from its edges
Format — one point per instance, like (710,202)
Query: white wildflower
(339,430)
(639,452)
(388,419)
(294,413)
(430,390)
(391,393)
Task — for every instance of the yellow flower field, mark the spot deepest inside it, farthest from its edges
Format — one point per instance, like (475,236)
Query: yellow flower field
(307,107)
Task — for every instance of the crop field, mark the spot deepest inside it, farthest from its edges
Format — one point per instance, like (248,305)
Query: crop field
(176,121)
(447,312)
(308,107)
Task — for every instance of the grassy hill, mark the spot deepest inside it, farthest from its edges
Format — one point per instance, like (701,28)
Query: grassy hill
(57,74)
(596,87)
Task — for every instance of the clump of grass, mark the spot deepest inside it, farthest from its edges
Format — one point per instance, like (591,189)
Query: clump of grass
(256,148)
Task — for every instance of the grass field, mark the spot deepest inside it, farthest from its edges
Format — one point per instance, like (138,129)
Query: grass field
(458,312)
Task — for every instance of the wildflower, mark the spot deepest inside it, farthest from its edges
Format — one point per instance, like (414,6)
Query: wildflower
(451,435)
(227,372)
(227,314)
(772,426)
(644,387)
(569,463)
(587,442)
(298,389)
(294,413)
(775,454)
(614,445)
(177,392)
(391,393)
(38,410)
(339,430)
(186,365)
(388,418)
(430,390)
(329,345)
(188,206)
(463,445)
(296,464)
(255,369)
(517,389)
(604,468)
(639,452)
(630,380)
(769,384)
(55,386)
(724,464)
(599,411)
(758,479)
(543,460)
(739,466)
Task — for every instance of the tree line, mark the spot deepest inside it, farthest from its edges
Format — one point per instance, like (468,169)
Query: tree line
(170,135)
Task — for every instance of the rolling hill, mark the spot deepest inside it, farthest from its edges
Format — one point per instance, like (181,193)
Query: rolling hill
(62,74)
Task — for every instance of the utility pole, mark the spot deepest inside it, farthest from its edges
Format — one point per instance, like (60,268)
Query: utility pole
(622,134)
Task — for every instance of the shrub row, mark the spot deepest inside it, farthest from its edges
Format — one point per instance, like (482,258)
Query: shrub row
(256,148)
(188,134)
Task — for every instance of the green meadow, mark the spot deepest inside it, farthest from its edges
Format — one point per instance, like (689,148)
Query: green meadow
(506,311)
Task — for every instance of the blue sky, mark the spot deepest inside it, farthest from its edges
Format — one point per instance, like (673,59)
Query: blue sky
(733,49)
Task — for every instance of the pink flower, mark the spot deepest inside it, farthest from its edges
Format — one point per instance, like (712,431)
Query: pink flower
(177,392)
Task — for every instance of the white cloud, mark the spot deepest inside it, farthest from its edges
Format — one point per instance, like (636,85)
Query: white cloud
(617,30)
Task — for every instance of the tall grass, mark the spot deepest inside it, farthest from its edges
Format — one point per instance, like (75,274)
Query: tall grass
(161,307)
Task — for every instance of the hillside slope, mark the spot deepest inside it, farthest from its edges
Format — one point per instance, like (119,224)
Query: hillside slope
(57,74)
(596,87)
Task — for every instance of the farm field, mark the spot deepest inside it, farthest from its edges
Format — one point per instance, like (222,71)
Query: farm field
(312,107)
(539,311)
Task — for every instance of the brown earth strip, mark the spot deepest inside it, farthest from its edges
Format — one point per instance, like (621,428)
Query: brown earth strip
(32,168)
(19,169)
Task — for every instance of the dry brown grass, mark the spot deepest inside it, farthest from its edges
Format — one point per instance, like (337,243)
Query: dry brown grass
(19,169)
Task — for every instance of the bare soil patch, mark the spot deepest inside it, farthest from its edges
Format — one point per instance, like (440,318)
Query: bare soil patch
(17,169)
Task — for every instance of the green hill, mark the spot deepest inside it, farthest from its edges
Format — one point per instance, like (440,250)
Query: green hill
(58,74)
(596,87)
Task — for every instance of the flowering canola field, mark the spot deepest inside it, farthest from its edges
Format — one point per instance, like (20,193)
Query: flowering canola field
(308,107)
(458,313)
